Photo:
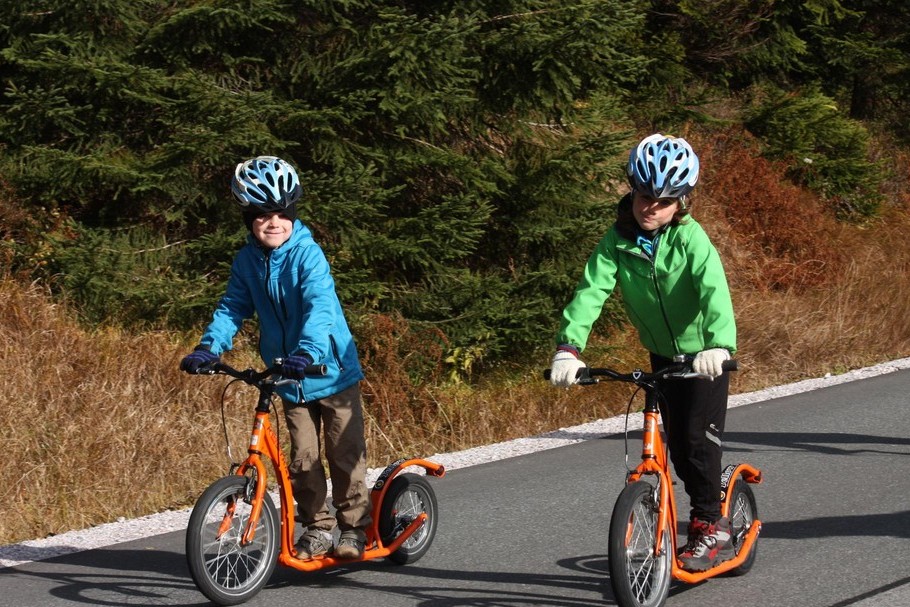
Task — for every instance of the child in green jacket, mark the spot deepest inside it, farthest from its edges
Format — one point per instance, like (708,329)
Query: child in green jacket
(675,293)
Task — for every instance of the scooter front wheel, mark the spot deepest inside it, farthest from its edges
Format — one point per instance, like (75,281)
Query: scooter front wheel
(407,497)
(226,570)
(639,577)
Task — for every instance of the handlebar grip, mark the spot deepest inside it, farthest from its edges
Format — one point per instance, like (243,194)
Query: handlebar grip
(316,370)
(210,368)
(578,374)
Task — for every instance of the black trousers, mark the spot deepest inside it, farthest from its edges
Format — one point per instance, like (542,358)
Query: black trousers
(693,412)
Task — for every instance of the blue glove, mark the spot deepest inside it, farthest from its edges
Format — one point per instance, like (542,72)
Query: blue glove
(198,358)
(294,366)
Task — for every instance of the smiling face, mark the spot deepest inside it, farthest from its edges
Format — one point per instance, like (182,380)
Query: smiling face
(653,213)
(272,229)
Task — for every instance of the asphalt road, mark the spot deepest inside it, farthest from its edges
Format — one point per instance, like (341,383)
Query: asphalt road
(532,530)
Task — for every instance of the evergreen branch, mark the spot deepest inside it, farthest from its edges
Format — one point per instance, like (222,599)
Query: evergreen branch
(140,251)
(414,139)
(519,15)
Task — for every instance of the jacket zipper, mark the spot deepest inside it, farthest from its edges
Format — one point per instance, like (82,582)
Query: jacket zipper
(660,299)
(335,353)
(275,305)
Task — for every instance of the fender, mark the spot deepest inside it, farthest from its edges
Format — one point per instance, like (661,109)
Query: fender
(386,473)
(732,471)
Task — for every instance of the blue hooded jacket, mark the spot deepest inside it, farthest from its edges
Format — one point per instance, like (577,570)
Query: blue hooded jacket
(292,291)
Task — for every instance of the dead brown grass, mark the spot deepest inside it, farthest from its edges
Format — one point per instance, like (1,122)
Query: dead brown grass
(99,425)
(102,425)
(812,295)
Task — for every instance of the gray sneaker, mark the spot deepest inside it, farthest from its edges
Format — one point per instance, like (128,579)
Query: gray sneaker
(709,544)
(351,544)
(313,543)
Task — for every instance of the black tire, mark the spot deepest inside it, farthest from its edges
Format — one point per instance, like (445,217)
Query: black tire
(638,577)
(743,513)
(223,570)
(407,497)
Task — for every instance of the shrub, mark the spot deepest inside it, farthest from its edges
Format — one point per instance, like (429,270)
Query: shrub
(131,276)
(780,236)
(821,148)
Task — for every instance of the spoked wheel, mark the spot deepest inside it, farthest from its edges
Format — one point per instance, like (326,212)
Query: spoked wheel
(638,576)
(407,497)
(226,571)
(743,513)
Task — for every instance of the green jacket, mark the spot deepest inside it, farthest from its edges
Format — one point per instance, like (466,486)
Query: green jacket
(679,302)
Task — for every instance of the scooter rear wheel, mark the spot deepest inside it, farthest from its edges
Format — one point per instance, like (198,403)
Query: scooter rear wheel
(407,497)
(742,512)
(639,577)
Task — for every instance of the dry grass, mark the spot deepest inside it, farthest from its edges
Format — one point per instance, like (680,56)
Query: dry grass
(102,425)
(812,295)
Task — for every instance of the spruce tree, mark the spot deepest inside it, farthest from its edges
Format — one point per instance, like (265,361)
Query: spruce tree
(456,156)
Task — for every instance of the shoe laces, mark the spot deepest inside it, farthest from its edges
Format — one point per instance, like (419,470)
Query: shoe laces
(700,532)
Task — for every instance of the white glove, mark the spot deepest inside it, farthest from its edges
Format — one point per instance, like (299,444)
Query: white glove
(564,368)
(709,362)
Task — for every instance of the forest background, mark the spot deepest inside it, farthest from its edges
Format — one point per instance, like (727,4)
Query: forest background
(460,159)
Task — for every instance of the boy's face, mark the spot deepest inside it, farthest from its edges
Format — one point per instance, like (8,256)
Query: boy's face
(653,213)
(272,229)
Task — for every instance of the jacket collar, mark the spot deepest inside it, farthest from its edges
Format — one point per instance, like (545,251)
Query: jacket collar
(299,234)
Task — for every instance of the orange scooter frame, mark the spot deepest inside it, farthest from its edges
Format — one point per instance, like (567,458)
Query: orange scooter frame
(235,537)
(643,525)
(264,435)
(654,462)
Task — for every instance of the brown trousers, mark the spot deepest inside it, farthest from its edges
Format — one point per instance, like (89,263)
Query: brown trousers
(340,418)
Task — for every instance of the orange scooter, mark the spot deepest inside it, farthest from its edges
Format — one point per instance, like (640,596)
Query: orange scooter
(642,538)
(234,537)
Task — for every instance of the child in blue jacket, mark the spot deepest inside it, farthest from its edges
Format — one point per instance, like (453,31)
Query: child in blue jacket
(282,276)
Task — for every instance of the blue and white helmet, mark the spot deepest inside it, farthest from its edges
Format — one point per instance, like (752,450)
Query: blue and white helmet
(663,167)
(265,184)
